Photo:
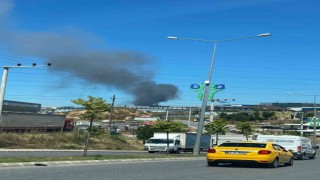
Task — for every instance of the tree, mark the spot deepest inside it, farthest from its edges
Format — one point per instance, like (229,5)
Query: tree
(242,116)
(169,126)
(245,128)
(145,132)
(268,115)
(92,106)
(216,127)
(256,115)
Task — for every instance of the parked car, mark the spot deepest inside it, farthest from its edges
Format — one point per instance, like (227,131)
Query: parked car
(265,153)
(301,147)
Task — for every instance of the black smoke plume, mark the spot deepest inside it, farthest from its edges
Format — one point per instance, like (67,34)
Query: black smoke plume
(128,71)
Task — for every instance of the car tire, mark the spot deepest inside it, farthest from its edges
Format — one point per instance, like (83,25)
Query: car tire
(301,157)
(290,163)
(212,163)
(274,164)
(313,156)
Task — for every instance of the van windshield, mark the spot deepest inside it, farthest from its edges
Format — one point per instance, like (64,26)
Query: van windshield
(159,141)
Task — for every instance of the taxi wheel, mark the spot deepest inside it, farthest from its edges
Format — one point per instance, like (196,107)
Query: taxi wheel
(290,163)
(301,157)
(210,163)
(274,164)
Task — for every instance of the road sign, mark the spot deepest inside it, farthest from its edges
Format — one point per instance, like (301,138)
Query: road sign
(214,88)
(220,86)
(195,86)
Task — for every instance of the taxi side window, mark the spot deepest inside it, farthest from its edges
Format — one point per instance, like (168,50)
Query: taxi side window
(276,147)
(282,148)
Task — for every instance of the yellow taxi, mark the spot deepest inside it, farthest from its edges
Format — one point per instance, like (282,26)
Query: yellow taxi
(267,153)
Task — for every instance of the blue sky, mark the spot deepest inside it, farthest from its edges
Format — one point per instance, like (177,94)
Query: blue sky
(253,70)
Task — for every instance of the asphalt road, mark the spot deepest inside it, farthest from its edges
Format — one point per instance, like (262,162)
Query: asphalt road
(163,169)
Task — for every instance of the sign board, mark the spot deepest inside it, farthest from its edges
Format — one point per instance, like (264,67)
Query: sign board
(195,86)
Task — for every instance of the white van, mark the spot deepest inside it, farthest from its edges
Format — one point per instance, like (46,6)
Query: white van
(300,147)
(159,144)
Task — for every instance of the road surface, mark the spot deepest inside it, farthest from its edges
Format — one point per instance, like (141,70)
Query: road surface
(163,170)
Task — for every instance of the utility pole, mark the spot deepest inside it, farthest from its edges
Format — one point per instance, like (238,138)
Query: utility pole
(167,132)
(301,127)
(167,114)
(212,105)
(279,118)
(314,121)
(189,121)
(111,111)
(211,110)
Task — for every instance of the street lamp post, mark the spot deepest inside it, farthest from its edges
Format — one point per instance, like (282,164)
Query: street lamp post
(4,81)
(207,82)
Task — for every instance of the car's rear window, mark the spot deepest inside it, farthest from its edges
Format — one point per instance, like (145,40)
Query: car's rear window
(251,145)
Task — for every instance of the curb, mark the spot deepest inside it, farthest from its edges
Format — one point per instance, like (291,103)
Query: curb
(87,162)
(63,150)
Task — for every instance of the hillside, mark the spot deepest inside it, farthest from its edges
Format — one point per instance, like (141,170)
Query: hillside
(118,114)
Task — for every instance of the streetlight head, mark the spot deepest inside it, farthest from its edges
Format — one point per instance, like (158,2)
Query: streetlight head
(264,35)
(172,37)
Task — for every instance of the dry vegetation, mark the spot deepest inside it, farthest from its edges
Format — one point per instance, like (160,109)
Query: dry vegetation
(70,140)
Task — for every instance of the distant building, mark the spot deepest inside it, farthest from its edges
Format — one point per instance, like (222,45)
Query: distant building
(146,118)
(16,106)
(68,108)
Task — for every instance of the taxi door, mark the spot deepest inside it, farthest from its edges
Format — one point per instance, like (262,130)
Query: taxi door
(281,154)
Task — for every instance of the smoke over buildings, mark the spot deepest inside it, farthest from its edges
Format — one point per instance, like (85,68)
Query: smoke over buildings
(124,70)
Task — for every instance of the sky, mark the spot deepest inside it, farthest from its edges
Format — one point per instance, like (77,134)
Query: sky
(103,48)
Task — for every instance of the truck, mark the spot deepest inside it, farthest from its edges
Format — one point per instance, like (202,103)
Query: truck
(229,138)
(26,122)
(178,142)
(300,147)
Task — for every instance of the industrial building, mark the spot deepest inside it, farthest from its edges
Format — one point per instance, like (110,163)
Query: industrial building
(16,106)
